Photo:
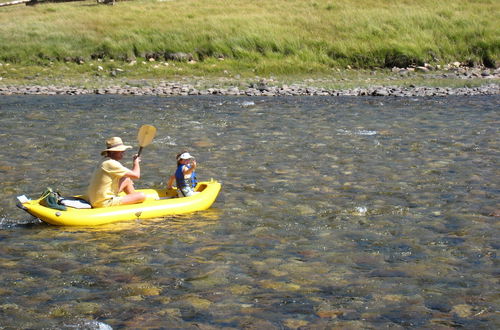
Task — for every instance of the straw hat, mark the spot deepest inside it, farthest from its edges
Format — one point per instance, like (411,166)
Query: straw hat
(114,144)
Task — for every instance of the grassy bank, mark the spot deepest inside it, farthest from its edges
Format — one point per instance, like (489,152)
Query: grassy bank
(246,38)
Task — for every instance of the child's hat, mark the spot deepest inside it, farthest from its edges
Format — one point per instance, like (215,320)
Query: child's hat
(185,155)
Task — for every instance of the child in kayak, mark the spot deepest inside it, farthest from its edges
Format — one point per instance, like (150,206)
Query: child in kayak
(185,175)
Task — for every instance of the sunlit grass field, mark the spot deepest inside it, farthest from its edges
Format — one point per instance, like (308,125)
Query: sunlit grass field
(258,37)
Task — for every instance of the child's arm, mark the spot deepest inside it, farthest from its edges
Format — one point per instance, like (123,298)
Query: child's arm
(190,170)
(171,182)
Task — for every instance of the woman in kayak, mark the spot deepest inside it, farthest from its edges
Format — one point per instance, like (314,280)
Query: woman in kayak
(185,175)
(111,177)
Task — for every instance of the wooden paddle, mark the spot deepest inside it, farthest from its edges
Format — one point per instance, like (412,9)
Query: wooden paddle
(145,136)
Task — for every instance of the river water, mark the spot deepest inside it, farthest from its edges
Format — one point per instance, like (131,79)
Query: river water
(334,212)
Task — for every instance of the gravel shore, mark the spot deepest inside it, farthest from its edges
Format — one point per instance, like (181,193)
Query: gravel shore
(271,88)
(175,89)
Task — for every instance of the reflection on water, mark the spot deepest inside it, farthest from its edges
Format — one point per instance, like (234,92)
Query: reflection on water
(335,212)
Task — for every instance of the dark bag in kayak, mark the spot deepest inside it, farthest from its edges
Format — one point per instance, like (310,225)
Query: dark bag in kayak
(51,198)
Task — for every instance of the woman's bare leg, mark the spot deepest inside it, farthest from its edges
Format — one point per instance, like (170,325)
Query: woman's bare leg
(132,197)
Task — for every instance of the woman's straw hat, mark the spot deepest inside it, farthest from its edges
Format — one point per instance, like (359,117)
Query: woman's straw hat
(114,144)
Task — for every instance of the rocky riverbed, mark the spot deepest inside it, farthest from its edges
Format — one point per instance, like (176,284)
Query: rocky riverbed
(270,87)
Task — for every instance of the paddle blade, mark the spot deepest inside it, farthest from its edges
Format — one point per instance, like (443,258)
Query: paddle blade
(146,135)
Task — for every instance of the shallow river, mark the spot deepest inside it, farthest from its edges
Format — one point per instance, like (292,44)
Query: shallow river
(334,212)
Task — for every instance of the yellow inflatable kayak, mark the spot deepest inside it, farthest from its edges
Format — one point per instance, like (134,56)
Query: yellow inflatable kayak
(159,203)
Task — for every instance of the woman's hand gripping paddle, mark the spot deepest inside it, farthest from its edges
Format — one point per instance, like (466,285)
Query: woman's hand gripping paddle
(145,136)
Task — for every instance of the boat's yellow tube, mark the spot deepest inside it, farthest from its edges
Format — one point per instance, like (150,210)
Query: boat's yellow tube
(159,203)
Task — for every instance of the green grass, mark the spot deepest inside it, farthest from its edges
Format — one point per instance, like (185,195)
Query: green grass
(259,37)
